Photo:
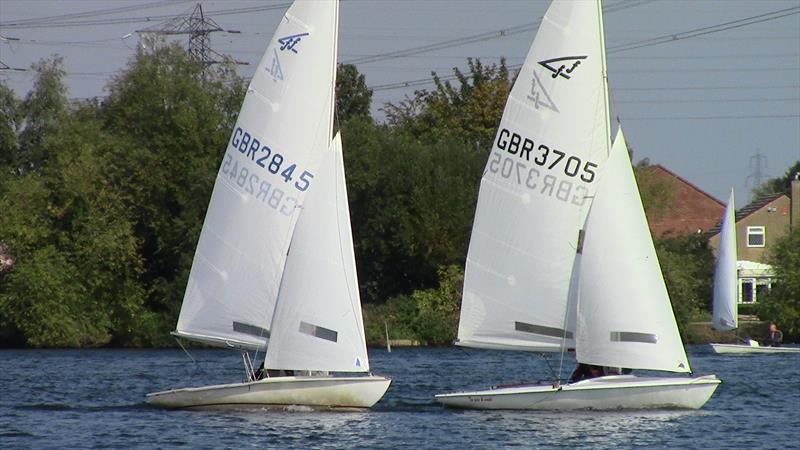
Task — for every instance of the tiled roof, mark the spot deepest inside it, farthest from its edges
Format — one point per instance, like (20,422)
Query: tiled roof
(750,208)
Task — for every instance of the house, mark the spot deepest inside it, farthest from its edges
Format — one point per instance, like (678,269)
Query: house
(683,208)
(758,226)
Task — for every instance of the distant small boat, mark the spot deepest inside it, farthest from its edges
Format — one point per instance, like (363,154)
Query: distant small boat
(750,348)
(274,269)
(561,255)
(725,314)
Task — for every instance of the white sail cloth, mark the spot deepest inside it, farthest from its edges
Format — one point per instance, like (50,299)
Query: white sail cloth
(725,308)
(534,195)
(284,127)
(624,315)
(317,323)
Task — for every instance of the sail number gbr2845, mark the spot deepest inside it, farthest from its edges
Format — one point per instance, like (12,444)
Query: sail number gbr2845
(269,161)
(252,180)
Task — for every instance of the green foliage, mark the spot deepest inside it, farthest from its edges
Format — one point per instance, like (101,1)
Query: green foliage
(11,113)
(44,108)
(412,204)
(175,116)
(782,304)
(688,268)
(470,111)
(779,184)
(353,98)
(48,307)
(429,316)
(102,220)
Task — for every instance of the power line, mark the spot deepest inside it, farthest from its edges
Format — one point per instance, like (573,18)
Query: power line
(630,46)
(139,19)
(100,12)
(707,30)
(480,37)
(707,88)
(717,100)
(759,116)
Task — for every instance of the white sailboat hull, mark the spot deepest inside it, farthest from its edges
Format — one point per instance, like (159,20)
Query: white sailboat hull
(606,393)
(321,392)
(744,348)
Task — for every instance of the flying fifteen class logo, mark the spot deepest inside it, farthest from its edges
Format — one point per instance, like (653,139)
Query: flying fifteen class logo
(289,42)
(275,68)
(563,66)
(539,95)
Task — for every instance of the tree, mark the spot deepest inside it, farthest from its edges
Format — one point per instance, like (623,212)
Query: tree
(779,184)
(353,98)
(10,110)
(412,204)
(687,266)
(176,117)
(470,111)
(44,108)
(782,303)
(429,316)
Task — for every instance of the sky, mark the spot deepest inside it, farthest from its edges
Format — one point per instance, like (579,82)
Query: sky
(712,97)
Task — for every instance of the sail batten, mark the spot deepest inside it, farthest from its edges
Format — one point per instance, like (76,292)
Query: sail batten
(545,158)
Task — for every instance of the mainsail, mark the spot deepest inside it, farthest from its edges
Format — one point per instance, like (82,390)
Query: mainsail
(283,129)
(550,147)
(725,311)
(624,315)
(317,323)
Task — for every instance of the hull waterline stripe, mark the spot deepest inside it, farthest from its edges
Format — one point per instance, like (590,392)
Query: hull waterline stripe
(542,330)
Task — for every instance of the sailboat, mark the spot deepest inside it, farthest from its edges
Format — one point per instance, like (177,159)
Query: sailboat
(561,256)
(274,270)
(725,305)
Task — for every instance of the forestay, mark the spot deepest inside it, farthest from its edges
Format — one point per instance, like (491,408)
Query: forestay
(624,315)
(284,127)
(542,170)
(725,311)
(317,323)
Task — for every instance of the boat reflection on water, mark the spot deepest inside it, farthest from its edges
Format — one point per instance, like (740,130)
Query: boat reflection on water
(603,429)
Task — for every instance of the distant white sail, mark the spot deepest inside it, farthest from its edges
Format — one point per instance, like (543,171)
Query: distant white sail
(725,308)
(317,323)
(624,315)
(552,142)
(284,127)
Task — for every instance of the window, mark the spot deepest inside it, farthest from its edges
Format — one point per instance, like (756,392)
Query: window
(755,237)
(747,291)
(762,288)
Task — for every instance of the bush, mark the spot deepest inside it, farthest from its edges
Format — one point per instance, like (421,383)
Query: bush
(429,316)
(782,304)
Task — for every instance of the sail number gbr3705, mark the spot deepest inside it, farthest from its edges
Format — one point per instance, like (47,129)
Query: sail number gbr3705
(522,161)
(252,178)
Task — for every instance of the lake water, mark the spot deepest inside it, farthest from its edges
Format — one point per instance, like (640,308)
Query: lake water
(95,398)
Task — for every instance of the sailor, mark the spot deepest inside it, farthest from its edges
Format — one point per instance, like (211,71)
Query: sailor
(774,336)
(586,371)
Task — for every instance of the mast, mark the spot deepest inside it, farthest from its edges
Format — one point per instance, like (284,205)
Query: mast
(334,68)
(605,74)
